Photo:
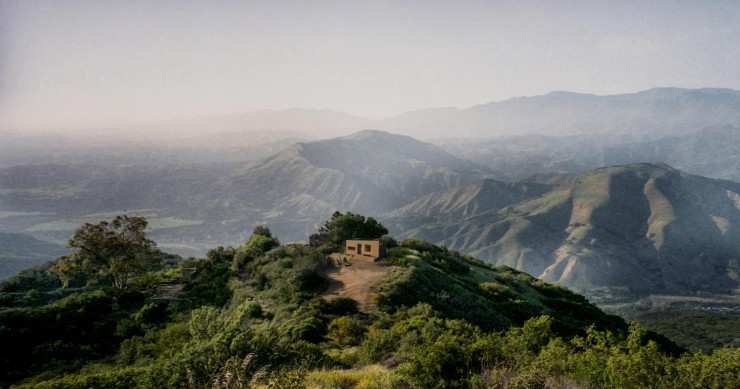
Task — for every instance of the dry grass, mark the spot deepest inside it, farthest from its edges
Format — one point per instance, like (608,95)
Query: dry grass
(368,377)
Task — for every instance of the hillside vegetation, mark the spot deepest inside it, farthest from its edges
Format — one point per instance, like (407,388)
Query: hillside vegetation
(254,316)
(695,329)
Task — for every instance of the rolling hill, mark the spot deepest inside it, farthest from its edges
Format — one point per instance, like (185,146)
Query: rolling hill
(369,171)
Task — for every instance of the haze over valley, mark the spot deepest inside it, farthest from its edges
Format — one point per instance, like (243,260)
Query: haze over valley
(369,194)
(471,195)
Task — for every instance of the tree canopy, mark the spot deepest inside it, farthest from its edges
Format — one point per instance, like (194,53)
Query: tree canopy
(263,231)
(262,239)
(117,251)
(350,226)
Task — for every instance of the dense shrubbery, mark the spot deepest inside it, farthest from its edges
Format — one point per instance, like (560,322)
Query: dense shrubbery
(346,226)
(695,329)
(254,316)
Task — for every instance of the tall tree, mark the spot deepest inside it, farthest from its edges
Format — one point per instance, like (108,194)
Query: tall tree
(262,239)
(350,226)
(117,250)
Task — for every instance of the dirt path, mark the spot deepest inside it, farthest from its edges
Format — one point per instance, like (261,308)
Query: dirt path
(356,281)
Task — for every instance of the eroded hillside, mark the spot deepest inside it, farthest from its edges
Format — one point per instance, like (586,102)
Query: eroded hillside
(648,228)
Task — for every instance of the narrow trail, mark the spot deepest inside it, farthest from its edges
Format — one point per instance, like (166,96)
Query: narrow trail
(356,280)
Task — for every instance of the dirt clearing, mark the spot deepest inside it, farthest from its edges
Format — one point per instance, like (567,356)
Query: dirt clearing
(355,279)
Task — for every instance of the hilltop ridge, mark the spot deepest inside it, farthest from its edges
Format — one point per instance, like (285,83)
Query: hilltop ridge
(274,303)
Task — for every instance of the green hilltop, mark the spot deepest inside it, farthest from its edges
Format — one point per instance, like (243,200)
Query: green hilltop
(258,315)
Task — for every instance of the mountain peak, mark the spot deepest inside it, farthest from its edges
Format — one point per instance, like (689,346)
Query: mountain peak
(373,134)
(567,95)
(374,150)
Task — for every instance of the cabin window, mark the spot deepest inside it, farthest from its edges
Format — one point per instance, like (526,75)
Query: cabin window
(351,248)
(367,247)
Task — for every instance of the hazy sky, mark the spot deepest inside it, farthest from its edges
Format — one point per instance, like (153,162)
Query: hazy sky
(67,63)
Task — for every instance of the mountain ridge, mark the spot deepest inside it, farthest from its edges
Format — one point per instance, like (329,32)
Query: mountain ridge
(479,197)
(653,112)
(645,227)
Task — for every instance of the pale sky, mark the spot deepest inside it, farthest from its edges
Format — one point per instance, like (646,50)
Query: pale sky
(72,64)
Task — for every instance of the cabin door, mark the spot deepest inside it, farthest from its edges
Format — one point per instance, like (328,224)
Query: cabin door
(359,249)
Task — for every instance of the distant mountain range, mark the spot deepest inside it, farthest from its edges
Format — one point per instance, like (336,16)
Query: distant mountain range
(645,115)
(650,113)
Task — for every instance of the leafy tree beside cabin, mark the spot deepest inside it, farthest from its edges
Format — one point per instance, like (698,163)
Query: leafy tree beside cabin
(347,226)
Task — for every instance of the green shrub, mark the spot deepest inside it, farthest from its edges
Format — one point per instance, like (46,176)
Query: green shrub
(347,330)
(378,345)
(445,363)
(338,306)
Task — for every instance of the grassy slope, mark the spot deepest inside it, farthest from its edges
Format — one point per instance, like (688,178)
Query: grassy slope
(271,306)
(490,297)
